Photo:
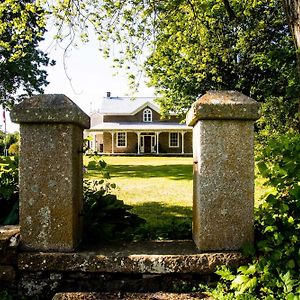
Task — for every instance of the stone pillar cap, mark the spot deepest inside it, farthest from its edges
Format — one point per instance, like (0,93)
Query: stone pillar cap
(223,105)
(51,108)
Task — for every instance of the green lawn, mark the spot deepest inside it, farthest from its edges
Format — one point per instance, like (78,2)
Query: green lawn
(158,188)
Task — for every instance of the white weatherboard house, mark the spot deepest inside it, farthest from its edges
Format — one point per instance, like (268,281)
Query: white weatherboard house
(122,125)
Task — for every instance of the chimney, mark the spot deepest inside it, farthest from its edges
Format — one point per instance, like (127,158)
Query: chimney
(108,94)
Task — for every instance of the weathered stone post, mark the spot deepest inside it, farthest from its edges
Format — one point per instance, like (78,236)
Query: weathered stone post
(51,129)
(223,155)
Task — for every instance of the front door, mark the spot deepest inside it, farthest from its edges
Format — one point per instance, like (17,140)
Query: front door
(147,144)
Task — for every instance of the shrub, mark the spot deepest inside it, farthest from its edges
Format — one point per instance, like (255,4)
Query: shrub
(9,191)
(106,217)
(274,270)
(7,139)
(13,149)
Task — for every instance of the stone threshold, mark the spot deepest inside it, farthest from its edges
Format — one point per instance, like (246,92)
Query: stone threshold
(147,257)
(131,296)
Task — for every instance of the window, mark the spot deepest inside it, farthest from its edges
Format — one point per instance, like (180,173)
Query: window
(121,139)
(173,140)
(147,115)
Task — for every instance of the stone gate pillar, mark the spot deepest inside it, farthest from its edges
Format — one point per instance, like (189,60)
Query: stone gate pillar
(223,192)
(51,128)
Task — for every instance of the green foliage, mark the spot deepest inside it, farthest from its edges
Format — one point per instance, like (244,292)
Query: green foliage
(279,162)
(9,191)
(10,294)
(22,25)
(13,149)
(8,139)
(278,116)
(274,270)
(5,295)
(170,229)
(189,47)
(205,46)
(106,217)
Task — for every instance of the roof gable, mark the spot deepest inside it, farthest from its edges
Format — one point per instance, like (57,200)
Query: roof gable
(126,105)
(146,104)
(95,114)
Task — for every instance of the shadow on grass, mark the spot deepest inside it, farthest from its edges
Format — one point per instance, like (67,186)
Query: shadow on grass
(175,172)
(163,221)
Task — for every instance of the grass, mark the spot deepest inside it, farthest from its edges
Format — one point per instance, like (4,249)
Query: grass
(159,189)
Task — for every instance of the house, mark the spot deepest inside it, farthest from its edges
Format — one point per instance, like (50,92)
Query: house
(122,125)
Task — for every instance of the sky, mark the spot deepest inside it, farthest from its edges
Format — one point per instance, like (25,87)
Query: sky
(90,76)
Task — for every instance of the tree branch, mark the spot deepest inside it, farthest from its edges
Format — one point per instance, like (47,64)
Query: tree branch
(230,11)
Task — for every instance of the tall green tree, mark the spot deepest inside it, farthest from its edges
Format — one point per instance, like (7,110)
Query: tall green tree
(191,46)
(22,26)
(213,46)
(292,12)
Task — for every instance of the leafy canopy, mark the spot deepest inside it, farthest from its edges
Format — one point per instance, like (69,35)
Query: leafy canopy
(187,47)
(22,26)
(210,46)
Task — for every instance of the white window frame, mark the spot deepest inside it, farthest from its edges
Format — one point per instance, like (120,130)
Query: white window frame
(147,115)
(118,139)
(177,140)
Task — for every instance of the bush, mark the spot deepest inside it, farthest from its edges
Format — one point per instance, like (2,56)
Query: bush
(9,191)
(274,270)
(106,217)
(6,140)
(13,149)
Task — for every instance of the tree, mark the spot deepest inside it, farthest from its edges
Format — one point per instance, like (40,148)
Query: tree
(22,25)
(208,47)
(197,45)
(292,12)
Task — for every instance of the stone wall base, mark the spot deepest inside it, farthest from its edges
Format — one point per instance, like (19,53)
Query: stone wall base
(116,267)
(45,285)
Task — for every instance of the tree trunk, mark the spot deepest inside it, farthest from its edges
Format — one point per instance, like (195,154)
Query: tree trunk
(292,12)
